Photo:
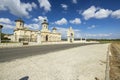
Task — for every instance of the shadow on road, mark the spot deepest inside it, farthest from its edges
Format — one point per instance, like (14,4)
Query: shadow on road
(24,78)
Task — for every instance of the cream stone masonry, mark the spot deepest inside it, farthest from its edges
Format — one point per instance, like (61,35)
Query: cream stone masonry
(22,33)
(46,35)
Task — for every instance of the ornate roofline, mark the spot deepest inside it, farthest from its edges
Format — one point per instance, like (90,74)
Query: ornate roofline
(25,30)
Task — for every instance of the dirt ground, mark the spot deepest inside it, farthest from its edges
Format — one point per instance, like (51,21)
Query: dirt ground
(115,61)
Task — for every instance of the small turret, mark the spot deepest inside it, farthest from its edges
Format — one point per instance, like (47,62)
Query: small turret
(54,30)
(45,26)
(19,23)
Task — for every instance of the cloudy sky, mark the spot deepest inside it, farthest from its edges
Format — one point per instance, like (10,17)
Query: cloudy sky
(89,18)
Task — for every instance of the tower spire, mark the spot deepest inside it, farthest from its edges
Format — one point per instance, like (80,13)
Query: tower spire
(45,26)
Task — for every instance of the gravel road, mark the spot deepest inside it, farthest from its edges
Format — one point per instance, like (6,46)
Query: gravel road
(78,63)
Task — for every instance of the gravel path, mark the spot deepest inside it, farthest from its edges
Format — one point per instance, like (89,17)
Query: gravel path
(80,63)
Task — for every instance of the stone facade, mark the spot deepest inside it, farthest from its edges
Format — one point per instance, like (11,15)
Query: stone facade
(22,33)
(46,35)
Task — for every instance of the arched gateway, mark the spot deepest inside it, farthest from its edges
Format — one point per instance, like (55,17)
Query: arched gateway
(70,35)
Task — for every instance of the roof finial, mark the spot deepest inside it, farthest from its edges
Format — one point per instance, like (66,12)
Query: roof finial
(54,28)
(19,19)
(45,20)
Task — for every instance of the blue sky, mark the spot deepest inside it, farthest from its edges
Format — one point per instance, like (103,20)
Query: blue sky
(89,18)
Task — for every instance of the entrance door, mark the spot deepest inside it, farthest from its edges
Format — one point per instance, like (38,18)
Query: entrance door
(46,37)
(71,36)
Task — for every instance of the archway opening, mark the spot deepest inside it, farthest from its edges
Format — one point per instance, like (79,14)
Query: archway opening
(46,37)
(71,36)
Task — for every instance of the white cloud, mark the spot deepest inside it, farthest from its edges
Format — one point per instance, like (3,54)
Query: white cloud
(17,8)
(8,26)
(5,20)
(45,4)
(40,19)
(74,1)
(35,20)
(97,13)
(106,35)
(89,13)
(63,32)
(116,14)
(102,13)
(2,7)
(37,23)
(91,27)
(32,26)
(103,35)
(76,21)
(64,6)
(77,33)
(7,23)
(34,5)
(61,22)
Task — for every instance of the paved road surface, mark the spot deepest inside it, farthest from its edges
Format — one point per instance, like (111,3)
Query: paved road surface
(79,63)
(8,54)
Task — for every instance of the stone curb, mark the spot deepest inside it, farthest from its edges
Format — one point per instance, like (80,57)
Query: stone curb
(38,45)
(107,75)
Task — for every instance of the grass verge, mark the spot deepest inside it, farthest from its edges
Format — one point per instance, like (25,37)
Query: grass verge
(115,61)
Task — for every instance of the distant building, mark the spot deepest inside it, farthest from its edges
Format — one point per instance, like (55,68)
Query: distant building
(22,33)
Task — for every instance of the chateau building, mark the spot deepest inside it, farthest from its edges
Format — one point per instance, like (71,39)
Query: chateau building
(22,33)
